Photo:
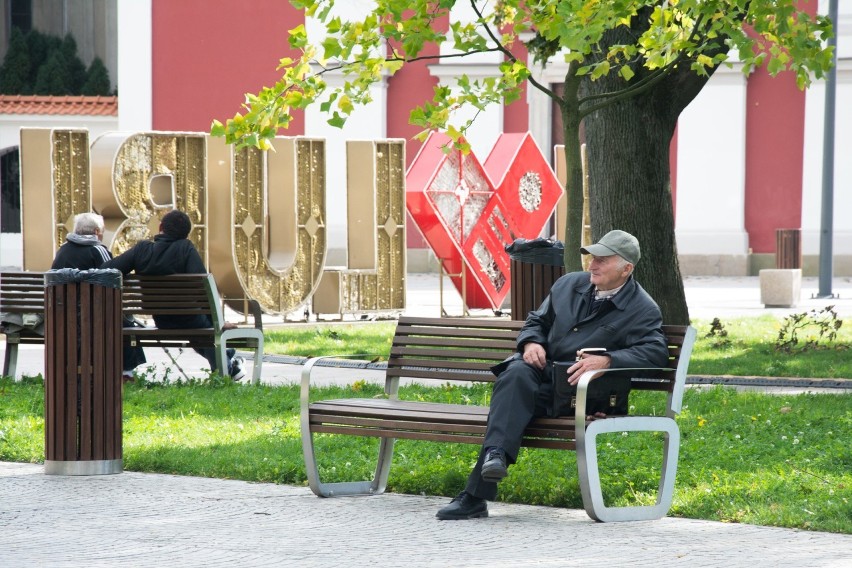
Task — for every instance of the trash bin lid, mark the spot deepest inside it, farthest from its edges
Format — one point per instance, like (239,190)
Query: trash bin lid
(108,277)
(537,251)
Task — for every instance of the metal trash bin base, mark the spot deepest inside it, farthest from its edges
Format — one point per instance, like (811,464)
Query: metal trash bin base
(91,467)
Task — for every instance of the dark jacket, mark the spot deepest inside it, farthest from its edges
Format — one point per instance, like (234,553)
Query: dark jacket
(83,252)
(629,326)
(161,257)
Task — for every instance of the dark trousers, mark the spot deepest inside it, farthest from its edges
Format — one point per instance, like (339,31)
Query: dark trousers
(210,354)
(521,393)
(133,357)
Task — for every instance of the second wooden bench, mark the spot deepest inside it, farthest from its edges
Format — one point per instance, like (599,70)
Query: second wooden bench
(22,295)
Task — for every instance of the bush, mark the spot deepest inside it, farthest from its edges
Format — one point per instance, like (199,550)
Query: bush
(47,65)
(97,79)
(15,72)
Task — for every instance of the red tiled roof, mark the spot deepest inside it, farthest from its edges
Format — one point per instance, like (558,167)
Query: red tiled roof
(75,105)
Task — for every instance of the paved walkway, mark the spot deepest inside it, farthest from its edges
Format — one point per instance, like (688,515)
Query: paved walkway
(135,519)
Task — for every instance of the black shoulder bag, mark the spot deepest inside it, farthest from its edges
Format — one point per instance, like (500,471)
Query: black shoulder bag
(608,394)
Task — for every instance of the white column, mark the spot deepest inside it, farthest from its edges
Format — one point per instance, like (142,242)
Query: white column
(488,124)
(710,217)
(365,123)
(135,30)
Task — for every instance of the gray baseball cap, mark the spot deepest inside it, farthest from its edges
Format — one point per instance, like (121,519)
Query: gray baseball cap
(617,242)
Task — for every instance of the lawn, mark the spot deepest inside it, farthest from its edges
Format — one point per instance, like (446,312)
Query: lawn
(745,456)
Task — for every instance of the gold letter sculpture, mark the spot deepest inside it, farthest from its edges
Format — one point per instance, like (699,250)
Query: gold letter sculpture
(374,280)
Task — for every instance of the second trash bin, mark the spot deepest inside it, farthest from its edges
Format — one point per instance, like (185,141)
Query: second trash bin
(82,379)
(535,265)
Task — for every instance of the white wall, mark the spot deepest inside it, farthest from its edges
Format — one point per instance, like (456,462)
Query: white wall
(135,66)
(365,123)
(710,215)
(812,179)
(812,182)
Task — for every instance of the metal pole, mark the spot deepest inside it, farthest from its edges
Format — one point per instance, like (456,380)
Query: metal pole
(826,269)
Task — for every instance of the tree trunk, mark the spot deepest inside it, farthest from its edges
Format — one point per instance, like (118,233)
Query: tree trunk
(628,145)
(630,189)
(574,171)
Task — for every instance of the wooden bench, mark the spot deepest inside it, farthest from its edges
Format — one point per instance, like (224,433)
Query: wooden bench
(21,297)
(462,350)
(142,296)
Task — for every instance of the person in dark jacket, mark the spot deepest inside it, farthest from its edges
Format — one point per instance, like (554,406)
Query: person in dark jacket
(83,249)
(603,308)
(170,252)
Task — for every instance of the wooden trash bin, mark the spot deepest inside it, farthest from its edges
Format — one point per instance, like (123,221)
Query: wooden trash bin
(82,364)
(788,248)
(534,266)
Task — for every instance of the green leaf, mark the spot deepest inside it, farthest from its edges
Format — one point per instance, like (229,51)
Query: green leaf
(217,128)
(298,37)
(600,70)
(331,47)
(336,120)
(345,104)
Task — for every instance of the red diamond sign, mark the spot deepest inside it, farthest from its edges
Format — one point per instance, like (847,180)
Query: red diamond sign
(469,212)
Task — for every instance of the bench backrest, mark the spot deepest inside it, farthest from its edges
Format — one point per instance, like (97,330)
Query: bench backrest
(176,294)
(454,349)
(22,292)
(461,349)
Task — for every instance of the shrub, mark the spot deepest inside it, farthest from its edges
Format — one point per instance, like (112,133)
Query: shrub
(15,72)
(40,64)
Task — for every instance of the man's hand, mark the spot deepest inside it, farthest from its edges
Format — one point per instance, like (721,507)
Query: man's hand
(535,355)
(587,362)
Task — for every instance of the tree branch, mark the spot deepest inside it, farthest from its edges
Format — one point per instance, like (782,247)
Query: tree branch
(503,49)
(643,85)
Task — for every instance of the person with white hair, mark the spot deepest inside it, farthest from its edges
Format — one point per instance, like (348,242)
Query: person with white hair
(83,248)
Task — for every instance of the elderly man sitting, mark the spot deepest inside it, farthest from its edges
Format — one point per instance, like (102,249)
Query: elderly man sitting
(604,308)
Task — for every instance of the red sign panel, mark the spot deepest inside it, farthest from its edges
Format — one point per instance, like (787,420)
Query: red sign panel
(468,212)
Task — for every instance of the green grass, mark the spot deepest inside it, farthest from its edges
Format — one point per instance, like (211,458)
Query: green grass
(754,458)
(372,338)
(747,350)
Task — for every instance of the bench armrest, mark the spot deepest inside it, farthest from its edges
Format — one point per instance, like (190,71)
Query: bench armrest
(589,376)
(391,386)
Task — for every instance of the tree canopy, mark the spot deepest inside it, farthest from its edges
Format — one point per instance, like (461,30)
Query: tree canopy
(697,33)
(613,50)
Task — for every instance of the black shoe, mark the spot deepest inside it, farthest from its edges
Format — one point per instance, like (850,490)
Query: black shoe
(465,506)
(494,468)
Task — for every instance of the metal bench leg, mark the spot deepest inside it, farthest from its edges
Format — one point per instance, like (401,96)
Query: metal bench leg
(590,482)
(10,359)
(241,333)
(374,487)
(258,362)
